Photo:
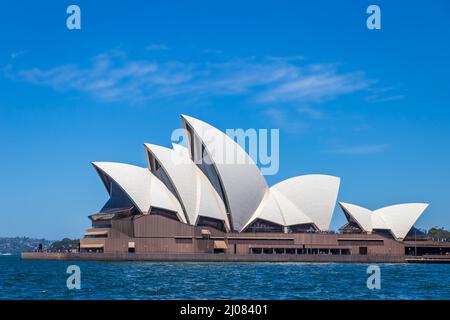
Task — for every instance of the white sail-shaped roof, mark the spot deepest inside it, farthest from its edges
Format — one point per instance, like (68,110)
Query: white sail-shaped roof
(268,210)
(231,171)
(399,219)
(314,194)
(142,187)
(278,209)
(359,215)
(308,199)
(292,214)
(191,186)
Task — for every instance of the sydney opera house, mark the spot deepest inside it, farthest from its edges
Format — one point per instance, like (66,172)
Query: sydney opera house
(194,203)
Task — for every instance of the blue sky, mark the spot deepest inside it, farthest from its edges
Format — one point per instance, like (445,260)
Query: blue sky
(369,106)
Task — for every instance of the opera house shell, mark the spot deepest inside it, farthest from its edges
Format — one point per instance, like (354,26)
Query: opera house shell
(396,219)
(196,199)
(198,185)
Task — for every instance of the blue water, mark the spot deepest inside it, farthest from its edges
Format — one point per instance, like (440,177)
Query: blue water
(25,279)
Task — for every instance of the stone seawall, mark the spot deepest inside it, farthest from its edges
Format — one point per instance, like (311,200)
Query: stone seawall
(208,257)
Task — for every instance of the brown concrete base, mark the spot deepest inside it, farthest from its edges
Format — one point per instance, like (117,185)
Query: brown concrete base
(208,257)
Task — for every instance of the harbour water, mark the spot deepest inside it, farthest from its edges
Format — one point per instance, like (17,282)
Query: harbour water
(29,279)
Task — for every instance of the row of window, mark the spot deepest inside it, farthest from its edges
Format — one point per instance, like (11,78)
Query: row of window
(332,251)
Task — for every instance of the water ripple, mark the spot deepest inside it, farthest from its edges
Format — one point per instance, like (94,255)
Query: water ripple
(21,279)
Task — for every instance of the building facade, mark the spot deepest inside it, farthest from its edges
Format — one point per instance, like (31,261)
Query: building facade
(194,200)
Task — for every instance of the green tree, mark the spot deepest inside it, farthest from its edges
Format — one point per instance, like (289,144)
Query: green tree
(440,233)
(65,244)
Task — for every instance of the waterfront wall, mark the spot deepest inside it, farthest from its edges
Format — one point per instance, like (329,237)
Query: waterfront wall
(207,257)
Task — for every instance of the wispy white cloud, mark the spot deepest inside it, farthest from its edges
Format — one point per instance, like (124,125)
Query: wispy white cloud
(157,47)
(289,58)
(364,149)
(385,94)
(213,51)
(113,76)
(312,113)
(16,54)
(110,78)
(316,86)
(283,119)
(390,98)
